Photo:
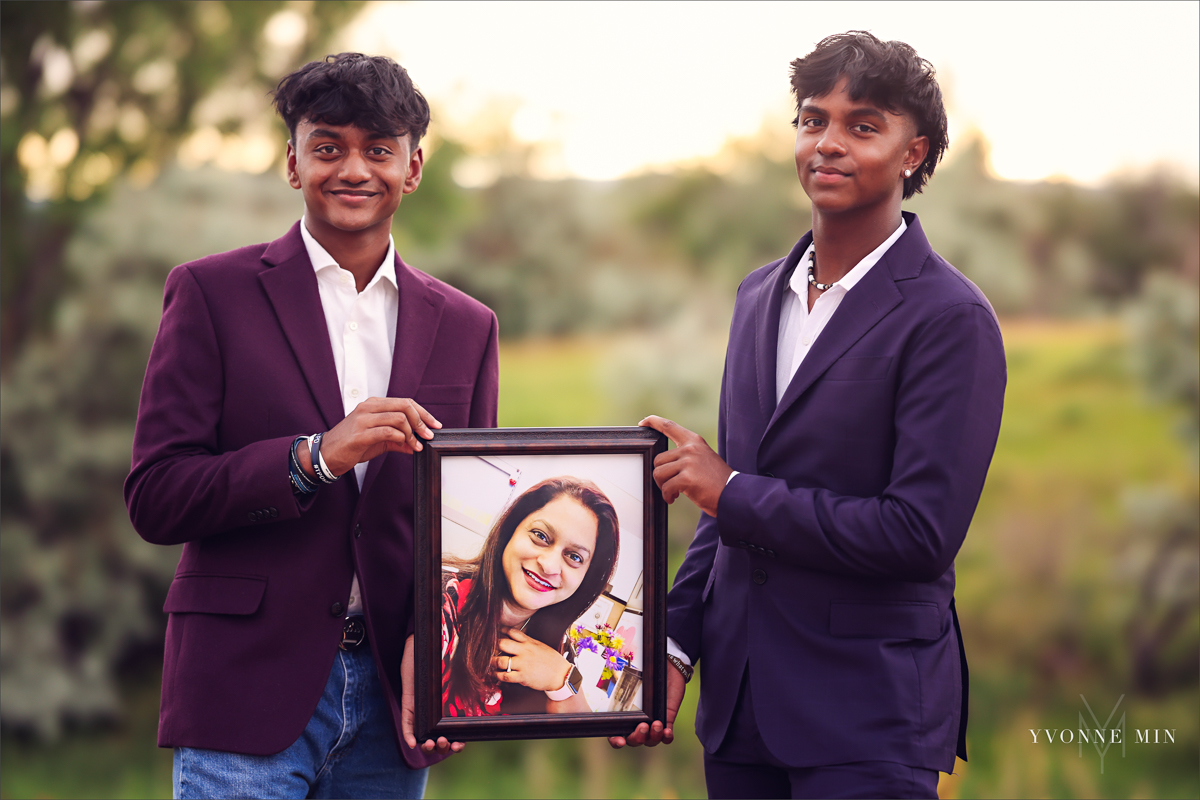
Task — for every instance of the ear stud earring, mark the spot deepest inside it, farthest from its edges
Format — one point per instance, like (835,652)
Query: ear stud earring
(908,173)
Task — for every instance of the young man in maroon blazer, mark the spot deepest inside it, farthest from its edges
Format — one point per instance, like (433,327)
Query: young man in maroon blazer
(288,386)
(860,407)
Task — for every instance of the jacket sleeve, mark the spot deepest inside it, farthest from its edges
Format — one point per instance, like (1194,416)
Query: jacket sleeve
(949,398)
(180,488)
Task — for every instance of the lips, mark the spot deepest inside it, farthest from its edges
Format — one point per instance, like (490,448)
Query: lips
(353,197)
(829,175)
(537,582)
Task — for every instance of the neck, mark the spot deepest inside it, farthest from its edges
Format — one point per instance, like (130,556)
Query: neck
(358,252)
(512,616)
(843,240)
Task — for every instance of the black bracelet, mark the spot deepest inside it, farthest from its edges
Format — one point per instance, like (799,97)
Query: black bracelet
(314,454)
(684,669)
(301,483)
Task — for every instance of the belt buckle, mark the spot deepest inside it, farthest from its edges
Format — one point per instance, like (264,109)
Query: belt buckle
(354,633)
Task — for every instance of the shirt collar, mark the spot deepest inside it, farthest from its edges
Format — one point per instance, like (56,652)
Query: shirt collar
(799,280)
(321,259)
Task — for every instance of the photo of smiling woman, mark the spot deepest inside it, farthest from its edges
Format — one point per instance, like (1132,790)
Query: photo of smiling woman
(507,611)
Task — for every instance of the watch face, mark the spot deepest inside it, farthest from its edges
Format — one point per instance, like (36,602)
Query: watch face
(575,680)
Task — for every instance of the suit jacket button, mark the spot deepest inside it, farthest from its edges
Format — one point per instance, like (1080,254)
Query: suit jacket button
(357,531)
(768,474)
(336,609)
(253,515)
(759,576)
(274,512)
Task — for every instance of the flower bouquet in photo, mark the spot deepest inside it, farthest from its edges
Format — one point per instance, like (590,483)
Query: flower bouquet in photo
(606,643)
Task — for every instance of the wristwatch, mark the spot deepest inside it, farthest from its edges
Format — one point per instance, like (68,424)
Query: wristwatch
(570,687)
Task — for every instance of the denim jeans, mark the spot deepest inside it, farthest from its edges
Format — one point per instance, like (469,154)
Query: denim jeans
(347,750)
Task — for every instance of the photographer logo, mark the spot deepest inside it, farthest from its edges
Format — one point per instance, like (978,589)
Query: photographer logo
(1102,736)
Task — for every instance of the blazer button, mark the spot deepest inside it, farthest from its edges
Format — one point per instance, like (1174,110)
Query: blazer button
(357,531)
(253,516)
(768,474)
(759,576)
(336,610)
(274,512)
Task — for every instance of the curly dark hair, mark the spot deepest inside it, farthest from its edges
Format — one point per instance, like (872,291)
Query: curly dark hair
(371,92)
(889,74)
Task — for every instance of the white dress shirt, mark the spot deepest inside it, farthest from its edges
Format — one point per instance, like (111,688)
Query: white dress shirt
(799,329)
(362,331)
(798,326)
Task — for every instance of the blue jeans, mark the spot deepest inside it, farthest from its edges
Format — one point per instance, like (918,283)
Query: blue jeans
(347,750)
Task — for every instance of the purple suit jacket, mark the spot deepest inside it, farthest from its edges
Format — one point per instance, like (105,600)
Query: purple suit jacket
(829,568)
(242,364)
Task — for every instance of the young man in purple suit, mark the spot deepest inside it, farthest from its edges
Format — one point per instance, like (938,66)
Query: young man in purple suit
(860,406)
(288,386)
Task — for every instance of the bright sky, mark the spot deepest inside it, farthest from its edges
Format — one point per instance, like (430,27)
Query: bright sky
(1082,90)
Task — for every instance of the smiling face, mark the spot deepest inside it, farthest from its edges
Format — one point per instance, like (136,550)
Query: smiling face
(549,553)
(352,179)
(851,154)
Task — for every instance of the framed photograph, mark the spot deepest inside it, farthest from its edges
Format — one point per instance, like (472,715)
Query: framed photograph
(541,581)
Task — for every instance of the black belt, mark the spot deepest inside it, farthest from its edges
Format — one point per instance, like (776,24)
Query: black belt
(354,633)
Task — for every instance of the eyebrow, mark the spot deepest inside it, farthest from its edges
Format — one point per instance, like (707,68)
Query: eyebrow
(324,133)
(554,531)
(374,136)
(861,111)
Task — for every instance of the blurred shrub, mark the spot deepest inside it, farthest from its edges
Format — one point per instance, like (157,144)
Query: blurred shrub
(80,592)
(91,92)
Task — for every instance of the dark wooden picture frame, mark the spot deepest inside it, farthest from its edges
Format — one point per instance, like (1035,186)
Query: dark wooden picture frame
(499,443)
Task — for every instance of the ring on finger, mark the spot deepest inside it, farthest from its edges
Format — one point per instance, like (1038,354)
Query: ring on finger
(509,667)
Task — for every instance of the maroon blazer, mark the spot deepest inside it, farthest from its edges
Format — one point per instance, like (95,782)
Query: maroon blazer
(242,364)
(828,572)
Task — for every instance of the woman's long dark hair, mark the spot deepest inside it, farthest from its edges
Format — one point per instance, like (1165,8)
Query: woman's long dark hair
(471,672)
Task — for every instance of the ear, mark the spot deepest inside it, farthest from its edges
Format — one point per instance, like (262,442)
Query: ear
(292,175)
(914,156)
(416,164)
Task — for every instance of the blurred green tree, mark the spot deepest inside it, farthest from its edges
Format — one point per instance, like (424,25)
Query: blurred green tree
(96,97)
(93,91)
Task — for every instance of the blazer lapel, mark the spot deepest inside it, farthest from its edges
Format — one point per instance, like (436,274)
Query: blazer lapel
(766,325)
(291,286)
(861,309)
(419,311)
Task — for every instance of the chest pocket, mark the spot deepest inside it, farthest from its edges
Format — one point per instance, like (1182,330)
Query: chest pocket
(445,394)
(450,403)
(859,369)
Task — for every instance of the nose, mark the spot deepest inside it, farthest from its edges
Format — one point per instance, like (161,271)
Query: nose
(830,143)
(354,168)
(548,563)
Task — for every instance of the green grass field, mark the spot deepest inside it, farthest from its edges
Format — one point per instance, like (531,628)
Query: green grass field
(1042,596)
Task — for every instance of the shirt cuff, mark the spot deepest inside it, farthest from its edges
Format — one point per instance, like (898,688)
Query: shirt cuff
(731,476)
(674,648)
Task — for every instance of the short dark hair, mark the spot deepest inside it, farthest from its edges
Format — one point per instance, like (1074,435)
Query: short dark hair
(371,92)
(890,75)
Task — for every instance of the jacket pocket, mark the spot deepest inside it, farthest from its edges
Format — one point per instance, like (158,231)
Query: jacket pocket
(445,394)
(885,620)
(215,594)
(859,369)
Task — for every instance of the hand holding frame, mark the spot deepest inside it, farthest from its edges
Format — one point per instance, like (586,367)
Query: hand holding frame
(692,468)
